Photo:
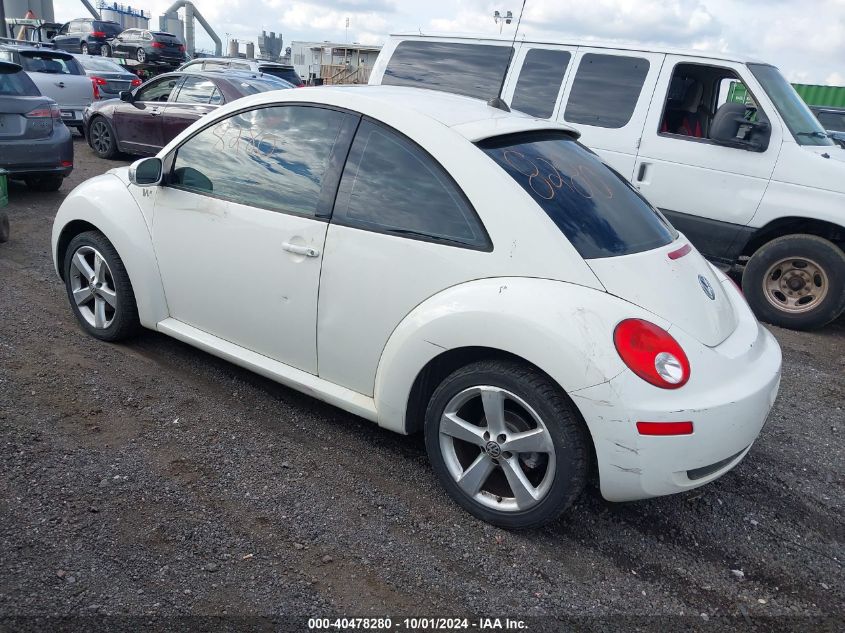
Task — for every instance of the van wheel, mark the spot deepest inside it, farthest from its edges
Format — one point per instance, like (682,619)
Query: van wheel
(506,444)
(796,281)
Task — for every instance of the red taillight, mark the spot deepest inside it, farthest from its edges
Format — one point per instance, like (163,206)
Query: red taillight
(51,112)
(651,353)
(136,83)
(664,428)
(157,45)
(96,82)
(67,163)
(181,48)
(98,34)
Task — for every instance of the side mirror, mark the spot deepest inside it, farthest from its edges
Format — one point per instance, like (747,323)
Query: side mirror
(145,172)
(126,95)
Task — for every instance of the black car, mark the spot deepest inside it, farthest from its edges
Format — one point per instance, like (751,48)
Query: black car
(146,47)
(85,35)
(832,120)
(148,118)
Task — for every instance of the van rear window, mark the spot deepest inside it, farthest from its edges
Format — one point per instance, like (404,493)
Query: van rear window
(598,211)
(473,70)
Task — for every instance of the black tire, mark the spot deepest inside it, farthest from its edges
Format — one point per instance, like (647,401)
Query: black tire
(101,138)
(802,248)
(124,321)
(565,428)
(105,50)
(83,48)
(4,227)
(46,182)
(141,55)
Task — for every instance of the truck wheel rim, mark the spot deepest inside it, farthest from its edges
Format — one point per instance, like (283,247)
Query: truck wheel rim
(795,285)
(92,287)
(497,449)
(100,137)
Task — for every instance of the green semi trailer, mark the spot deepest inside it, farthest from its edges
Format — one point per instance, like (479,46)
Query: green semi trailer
(828,96)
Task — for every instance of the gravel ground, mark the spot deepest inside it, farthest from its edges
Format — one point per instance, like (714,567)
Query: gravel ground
(154,479)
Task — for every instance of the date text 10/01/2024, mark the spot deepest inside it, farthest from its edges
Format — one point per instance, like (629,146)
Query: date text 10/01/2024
(415,624)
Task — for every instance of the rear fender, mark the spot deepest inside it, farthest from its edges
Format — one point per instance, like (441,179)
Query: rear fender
(564,329)
(105,203)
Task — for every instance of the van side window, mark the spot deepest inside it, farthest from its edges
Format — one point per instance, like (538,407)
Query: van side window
(474,70)
(539,82)
(606,90)
(391,185)
(696,93)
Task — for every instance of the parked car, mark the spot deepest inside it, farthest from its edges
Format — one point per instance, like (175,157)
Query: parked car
(473,274)
(146,47)
(757,186)
(35,146)
(85,35)
(281,71)
(58,76)
(109,79)
(833,121)
(145,119)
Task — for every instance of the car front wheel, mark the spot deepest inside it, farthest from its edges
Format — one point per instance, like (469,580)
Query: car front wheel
(101,138)
(506,443)
(99,289)
(84,48)
(796,281)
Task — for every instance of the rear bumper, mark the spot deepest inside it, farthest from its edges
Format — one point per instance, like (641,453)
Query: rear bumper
(39,156)
(730,394)
(167,58)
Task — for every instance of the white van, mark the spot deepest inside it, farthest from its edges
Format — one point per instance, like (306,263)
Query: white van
(754,184)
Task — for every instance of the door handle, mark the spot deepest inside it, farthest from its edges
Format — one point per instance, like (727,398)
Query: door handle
(154,112)
(300,250)
(642,171)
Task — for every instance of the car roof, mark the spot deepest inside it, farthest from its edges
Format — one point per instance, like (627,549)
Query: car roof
(471,118)
(625,46)
(36,49)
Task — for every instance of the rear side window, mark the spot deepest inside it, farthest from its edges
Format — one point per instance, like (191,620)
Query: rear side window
(606,90)
(196,90)
(109,28)
(289,75)
(17,85)
(539,82)
(391,185)
(595,208)
(474,70)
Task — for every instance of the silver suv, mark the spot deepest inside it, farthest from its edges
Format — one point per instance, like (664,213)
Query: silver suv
(276,69)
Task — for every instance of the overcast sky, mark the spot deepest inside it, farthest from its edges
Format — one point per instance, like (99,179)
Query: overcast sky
(805,38)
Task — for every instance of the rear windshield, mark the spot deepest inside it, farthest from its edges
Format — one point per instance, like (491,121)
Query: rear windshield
(99,63)
(474,70)
(598,211)
(43,62)
(109,28)
(282,73)
(17,85)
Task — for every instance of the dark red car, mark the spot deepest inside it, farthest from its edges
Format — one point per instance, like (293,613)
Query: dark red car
(147,118)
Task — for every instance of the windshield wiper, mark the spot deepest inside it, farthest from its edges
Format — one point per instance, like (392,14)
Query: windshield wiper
(814,134)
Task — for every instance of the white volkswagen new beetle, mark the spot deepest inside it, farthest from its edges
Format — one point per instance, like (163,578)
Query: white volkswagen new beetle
(434,264)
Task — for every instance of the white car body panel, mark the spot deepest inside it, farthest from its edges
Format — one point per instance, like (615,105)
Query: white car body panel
(387,306)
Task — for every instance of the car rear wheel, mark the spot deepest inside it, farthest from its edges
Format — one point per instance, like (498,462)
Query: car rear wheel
(506,444)
(796,281)
(105,50)
(101,138)
(83,48)
(47,182)
(99,289)
(141,55)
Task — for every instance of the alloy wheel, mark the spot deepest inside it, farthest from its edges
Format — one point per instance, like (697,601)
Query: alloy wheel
(105,51)
(497,448)
(84,49)
(141,55)
(100,137)
(795,285)
(93,287)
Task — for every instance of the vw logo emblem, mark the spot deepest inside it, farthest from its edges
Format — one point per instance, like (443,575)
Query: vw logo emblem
(493,449)
(706,287)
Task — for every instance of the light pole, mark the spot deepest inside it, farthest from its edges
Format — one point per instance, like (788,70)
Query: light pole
(501,20)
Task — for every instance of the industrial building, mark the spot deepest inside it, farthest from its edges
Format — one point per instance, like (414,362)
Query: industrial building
(333,62)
